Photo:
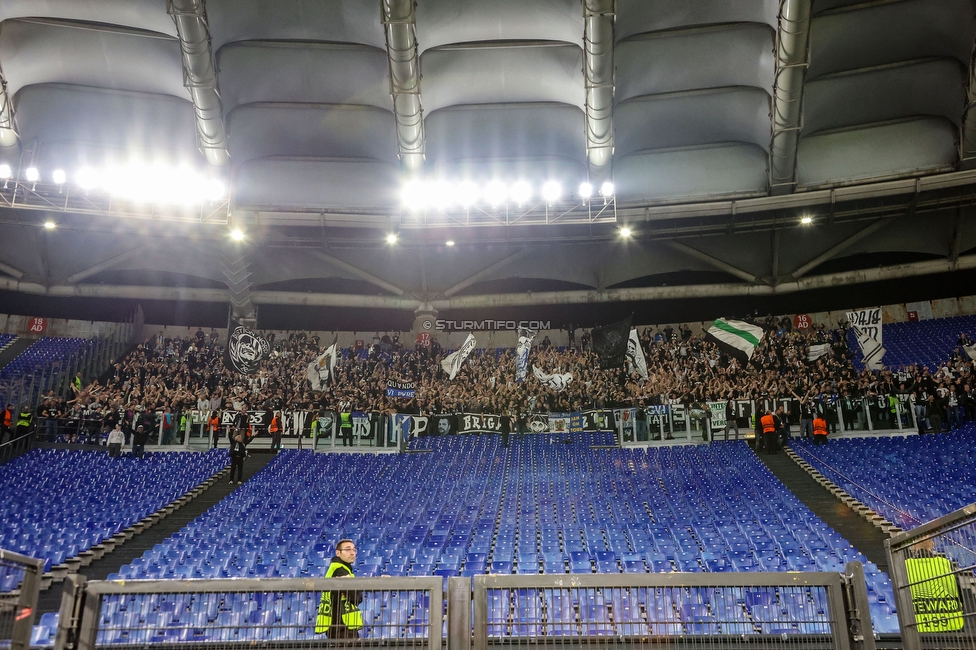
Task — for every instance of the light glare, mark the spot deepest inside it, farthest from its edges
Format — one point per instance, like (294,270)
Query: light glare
(237,234)
(495,193)
(806,221)
(521,192)
(625,232)
(449,242)
(87,178)
(59,176)
(585,190)
(32,175)
(606,190)
(552,191)
(50,225)
(391,238)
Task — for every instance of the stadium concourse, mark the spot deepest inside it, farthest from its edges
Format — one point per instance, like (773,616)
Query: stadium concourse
(581,503)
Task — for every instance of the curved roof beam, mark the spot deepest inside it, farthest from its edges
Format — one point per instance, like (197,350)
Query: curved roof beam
(793,37)
(598,73)
(200,79)
(400,21)
(8,130)
(967,145)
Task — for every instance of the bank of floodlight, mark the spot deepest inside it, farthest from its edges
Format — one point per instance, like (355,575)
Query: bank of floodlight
(552,191)
(585,191)
(521,192)
(495,193)
(606,190)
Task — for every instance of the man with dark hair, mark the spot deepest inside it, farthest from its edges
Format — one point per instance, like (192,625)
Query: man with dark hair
(139,439)
(338,614)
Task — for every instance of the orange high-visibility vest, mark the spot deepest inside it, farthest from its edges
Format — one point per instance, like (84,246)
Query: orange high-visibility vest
(819,427)
(768,424)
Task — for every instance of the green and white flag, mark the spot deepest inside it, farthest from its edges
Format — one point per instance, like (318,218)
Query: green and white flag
(735,338)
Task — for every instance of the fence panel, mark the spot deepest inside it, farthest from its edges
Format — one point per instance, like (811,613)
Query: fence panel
(20,587)
(935,587)
(771,610)
(272,613)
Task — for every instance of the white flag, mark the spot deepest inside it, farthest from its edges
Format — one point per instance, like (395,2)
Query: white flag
(970,350)
(452,362)
(871,349)
(525,338)
(320,371)
(635,355)
(558,383)
(817,350)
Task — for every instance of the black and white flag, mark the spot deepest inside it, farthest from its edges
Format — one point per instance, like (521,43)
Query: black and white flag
(525,338)
(867,326)
(321,371)
(452,362)
(557,382)
(245,350)
(871,349)
(635,354)
(610,344)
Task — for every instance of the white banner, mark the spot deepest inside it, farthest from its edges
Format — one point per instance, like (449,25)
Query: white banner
(525,338)
(320,371)
(635,355)
(868,321)
(557,382)
(452,362)
(818,350)
(970,350)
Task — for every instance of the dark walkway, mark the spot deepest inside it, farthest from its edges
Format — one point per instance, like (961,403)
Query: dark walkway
(99,569)
(13,350)
(863,536)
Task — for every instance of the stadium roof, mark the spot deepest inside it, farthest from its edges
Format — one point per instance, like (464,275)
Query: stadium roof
(318,127)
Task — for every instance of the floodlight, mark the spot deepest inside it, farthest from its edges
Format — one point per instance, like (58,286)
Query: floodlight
(441,195)
(50,225)
(59,177)
(87,178)
(449,242)
(215,190)
(391,238)
(237,234)
(606,190)
(585,190)
(414,195)
(521,192)
(552,191)
(495,193)
(806,221)
(467,193)
(625,232)
(32,175)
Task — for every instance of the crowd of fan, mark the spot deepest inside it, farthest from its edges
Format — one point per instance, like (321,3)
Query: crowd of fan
(163,378)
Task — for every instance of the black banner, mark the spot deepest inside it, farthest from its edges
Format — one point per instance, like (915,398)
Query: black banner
(610,344)
(245,350)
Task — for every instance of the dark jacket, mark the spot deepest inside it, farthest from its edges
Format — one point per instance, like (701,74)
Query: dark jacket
(238,450)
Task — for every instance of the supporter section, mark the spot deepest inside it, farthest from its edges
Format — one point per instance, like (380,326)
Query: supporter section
(908,481)
(58,503)
(469,507)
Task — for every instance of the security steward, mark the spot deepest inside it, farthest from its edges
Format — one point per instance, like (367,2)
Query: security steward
(819,430)
(770,431)
(6,423)
(345,428)
(275,430)
(338,614)
(935,592)
(24,421)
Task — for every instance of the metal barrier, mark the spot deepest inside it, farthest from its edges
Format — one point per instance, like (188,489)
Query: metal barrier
(931,570)
(744,610)
(716,610)
(394,612)
(20,587)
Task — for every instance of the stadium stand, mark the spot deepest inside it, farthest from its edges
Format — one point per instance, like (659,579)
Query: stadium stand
(40,355)
(542,508)
(58,503)
(928,343)
(908,481)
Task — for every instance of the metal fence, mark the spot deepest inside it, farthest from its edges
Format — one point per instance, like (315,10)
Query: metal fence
(932,573)
(20,587)
(768,610)
(272,613)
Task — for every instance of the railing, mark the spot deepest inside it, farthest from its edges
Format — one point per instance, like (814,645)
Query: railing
(16,446)
(742,610)
(935,588)
(395,612)
(20,587)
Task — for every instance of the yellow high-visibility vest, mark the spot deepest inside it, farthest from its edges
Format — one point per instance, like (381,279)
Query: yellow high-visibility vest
(352,618)
(935,594)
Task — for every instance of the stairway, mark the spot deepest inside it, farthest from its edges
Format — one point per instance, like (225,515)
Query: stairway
(866,538)
(14,350)
(50,600)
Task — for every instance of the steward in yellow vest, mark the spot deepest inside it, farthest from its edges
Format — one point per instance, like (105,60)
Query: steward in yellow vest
(935,593)
(338,614)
